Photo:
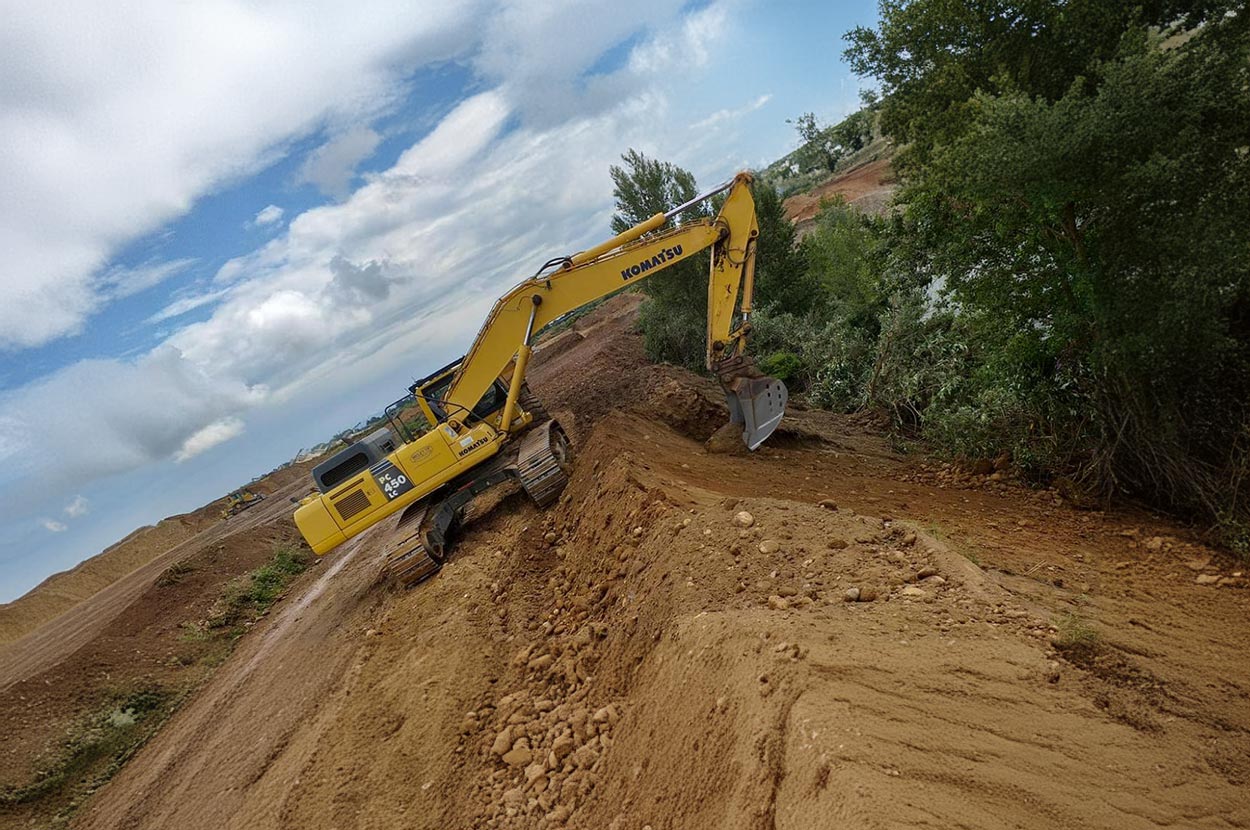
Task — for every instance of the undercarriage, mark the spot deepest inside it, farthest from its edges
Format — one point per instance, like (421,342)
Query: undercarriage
(539,462)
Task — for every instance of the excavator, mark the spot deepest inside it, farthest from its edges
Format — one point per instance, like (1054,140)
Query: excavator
(474,423)
(240,500)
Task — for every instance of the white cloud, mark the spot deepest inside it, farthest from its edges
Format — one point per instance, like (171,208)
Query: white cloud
(332,166)
(120,281)
(78,507)
(139,412)
(218,432)
(268,215)
(404,266)
(723,115)
(115,118)
(187,303)
(53,526)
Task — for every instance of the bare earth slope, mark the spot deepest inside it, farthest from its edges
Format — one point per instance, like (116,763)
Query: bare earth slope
(50,642)
(640,655)
(60,592)
(868,186)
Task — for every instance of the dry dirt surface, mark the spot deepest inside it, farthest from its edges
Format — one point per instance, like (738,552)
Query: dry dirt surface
(868,186)
(820,634)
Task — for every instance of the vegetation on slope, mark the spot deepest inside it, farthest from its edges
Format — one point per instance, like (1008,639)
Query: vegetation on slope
(1066,275)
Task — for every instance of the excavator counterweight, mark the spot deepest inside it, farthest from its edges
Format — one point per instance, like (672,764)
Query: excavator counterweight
(474,423)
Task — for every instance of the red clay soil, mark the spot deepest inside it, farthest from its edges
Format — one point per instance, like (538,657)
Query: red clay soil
(868,187)
(823,633)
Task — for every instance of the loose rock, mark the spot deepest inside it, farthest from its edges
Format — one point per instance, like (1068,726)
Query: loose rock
(518,757)
(769,546)
(744,519)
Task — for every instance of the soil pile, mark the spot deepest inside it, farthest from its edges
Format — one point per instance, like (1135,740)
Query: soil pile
(657,653)
(822,633)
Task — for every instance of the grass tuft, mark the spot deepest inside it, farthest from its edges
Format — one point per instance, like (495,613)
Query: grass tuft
(1075,636)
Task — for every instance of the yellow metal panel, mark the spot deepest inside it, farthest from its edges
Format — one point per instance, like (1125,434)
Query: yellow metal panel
(725,280)
(451,455)
(318,527)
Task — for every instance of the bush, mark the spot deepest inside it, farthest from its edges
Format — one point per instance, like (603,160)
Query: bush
(251,595)
(784,366)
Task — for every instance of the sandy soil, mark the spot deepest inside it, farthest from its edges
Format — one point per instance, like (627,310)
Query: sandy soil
(646,655)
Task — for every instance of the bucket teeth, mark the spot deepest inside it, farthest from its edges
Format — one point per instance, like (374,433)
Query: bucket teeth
(755,400)
(758,404)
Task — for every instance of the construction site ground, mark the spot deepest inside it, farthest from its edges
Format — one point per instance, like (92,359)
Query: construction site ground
(824,633)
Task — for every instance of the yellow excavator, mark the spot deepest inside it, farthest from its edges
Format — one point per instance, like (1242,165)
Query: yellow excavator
(240,500)
(474,423)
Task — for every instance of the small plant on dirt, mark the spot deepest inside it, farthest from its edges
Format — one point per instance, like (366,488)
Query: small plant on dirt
(174,574)
(94,750)
(248,597)
(1075,637)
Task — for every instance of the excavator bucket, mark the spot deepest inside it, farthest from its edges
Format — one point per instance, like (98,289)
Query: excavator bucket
(757,403)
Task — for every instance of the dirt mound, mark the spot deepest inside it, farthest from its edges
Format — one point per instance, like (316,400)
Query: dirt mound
(60,592)
(647,654)
(820,633)
(159,645)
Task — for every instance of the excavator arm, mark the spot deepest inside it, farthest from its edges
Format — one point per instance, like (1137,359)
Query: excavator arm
(754,401)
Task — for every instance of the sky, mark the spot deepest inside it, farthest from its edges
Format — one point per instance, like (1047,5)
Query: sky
(232,229)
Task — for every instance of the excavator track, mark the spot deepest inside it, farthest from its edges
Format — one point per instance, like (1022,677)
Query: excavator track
(531,404)
(408,562)
(543,463)
(424,533)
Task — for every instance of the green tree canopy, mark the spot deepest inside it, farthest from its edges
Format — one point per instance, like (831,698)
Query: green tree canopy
(674,323)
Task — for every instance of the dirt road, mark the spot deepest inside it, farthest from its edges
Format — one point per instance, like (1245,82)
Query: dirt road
(820,634)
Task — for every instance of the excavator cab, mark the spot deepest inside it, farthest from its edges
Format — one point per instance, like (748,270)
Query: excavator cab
(429,395)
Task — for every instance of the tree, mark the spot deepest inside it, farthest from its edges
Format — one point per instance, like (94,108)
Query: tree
(783,281)
(1079,186)
(674,321)
(818,144)
(933,56)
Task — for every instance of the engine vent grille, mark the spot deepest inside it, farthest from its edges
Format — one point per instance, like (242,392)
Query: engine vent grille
(353,503)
